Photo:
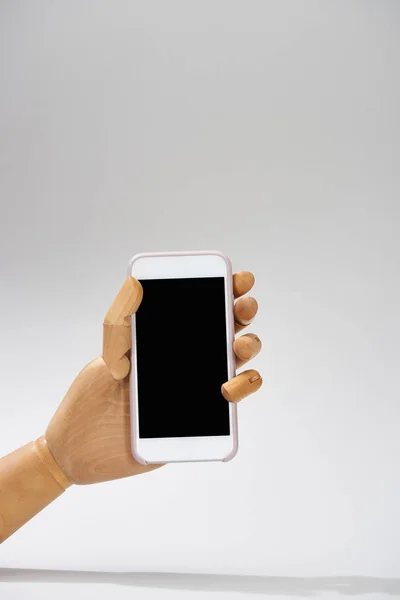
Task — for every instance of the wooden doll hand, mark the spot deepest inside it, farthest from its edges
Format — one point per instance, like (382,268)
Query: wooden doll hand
(88,439)
(89,435)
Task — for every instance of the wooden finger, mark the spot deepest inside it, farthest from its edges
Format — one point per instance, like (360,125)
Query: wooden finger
(246,347)
(244,311)
(116,343)
(117,328)
(242,283)
(125,304)
(242,385)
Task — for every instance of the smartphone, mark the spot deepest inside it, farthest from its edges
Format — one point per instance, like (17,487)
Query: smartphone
(182,353)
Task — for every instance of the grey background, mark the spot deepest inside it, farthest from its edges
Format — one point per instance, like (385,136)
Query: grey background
(268,130)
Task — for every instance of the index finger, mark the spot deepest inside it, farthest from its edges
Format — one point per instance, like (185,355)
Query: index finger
(117,328)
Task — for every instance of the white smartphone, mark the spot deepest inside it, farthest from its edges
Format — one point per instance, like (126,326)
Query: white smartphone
(182,353)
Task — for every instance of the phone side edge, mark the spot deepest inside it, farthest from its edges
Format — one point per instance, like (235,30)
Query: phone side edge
(231,330)
(134,425)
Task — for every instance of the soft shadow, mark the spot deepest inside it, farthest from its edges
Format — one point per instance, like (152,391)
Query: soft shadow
(294,586)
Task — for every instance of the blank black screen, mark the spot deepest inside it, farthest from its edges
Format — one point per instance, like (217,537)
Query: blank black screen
(182,358)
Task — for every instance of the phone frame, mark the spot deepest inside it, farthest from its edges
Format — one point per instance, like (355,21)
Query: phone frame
(172,265)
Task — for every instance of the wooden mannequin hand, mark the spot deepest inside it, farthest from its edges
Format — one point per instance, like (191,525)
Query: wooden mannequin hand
(89,436)
(88,439)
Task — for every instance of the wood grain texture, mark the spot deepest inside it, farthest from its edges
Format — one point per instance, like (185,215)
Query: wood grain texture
(243,281)
(245,310)
(117,328)
(116,345)
(89,436)
(242,386)
(30,479)
(246,347)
